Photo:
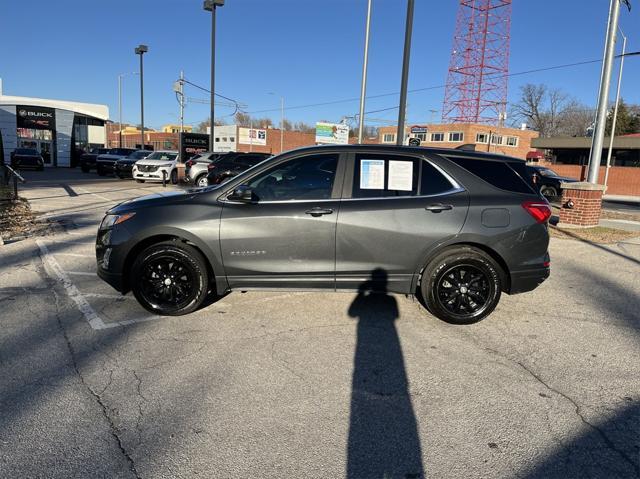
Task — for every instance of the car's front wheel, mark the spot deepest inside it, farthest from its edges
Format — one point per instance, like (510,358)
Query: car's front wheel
(170,278)
(174,177)
(462,285)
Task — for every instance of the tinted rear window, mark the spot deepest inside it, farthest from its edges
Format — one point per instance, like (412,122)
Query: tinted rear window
(501,174)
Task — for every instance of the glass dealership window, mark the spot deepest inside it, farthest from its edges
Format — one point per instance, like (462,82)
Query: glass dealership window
(30,133)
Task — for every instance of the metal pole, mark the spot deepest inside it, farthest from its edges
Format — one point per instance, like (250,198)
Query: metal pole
(250,134)
(405,72)
(282,125)
(181,101)
(120,111)
(615,110)
(141,104)
(597,143)
(363,89)
(213,75)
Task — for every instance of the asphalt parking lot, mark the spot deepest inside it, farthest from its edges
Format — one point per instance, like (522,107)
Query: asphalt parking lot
(308,384)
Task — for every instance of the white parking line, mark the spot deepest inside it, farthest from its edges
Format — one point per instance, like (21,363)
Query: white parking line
(81,273)
(80,299)
(95,194)
(75,255)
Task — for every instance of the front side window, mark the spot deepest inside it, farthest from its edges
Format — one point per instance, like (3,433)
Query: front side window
(437,137)
(304,178)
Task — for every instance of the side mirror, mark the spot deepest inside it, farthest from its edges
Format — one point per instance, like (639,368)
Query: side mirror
(242,193)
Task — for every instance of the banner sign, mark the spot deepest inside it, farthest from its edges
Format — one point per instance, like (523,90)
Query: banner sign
(36,117)
(332,133)
(252,136)
(419,129)
(192,144)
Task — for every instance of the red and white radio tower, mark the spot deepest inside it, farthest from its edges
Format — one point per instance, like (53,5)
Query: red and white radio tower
(478,73)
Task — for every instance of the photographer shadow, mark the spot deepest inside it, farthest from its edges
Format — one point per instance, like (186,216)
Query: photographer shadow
(383,433)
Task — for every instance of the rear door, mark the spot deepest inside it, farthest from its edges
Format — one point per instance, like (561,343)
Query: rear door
(286,236)
(396,207)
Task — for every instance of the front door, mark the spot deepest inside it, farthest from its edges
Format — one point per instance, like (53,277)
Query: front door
(46,152)
(400,206)
(286,236)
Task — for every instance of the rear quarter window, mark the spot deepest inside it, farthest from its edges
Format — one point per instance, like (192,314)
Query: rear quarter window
(505,175)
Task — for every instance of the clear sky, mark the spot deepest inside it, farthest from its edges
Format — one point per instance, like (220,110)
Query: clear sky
(305,50)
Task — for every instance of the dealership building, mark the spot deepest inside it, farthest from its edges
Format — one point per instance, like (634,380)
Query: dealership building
(60,130)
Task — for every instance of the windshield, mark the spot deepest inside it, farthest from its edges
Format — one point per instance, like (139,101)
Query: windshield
(99,151)
(162,156)
(547,172)
(26,151)
(121,151)
(138,155)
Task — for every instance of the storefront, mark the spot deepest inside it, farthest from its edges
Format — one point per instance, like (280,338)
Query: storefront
(60,130)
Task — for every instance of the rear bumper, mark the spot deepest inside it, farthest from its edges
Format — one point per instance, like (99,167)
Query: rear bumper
(523,281)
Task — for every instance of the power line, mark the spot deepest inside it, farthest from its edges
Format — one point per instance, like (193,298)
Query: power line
(435,87)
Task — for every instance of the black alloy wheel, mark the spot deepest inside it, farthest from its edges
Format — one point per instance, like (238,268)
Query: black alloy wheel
(462,285)
(170,278)
(549,192)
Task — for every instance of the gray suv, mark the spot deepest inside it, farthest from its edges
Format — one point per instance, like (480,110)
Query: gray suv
(456,228)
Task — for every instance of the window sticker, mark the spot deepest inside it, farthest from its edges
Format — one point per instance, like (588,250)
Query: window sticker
(400,175)
(372,174)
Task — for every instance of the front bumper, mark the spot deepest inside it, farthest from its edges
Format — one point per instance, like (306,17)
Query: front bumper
(106,166)
(124,170)
(150,175)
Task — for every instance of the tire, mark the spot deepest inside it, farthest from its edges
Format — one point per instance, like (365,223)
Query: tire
(156,283)
(173,177)
(462,285)
(202,181)
(548,192)
(139,181)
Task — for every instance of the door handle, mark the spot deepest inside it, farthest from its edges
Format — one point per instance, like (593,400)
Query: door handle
(317,211)
(438,207)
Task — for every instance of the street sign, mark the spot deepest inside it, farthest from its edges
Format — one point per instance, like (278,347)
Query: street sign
(414,141)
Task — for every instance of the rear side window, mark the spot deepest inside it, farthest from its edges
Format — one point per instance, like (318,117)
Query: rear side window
(432,182)
(497,173)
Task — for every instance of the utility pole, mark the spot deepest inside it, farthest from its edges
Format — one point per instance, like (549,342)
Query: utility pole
(363,89)
(211,6)
(282,124)
(141,50)
(615,110)
(405,72)
(597,142)
(120,110)
(181,101)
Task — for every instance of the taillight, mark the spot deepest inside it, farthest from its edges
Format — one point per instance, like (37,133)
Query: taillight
(189,163)
(540,211)
(210,166)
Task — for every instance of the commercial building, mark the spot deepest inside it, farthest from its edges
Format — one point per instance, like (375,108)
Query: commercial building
(60,130)
(507,141)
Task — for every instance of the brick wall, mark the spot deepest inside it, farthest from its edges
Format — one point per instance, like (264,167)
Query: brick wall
(623,180)
(292,140)
(587,207)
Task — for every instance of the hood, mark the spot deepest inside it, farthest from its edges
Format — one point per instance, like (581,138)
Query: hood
(128,161)
(155,162)
(156,199)
(564,178)
(110,157)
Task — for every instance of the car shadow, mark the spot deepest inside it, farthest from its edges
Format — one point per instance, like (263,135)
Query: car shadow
(383,432)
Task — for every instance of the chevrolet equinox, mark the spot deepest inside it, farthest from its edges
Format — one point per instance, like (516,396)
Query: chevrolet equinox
(455,227)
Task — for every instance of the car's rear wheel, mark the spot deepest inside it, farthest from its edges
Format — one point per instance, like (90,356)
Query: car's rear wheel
(202,181)
(549,192)
(462,285)
(170,278)
(139,181)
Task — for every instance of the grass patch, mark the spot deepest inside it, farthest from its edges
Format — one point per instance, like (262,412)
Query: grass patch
(597,234)
(619,215)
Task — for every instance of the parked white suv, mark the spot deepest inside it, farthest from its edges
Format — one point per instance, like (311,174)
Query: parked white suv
(155,166)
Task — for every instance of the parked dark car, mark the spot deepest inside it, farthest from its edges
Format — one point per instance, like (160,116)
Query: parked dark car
(456,228)
(106,163)
(26,158)
(124,166)
(232,164)
(547,181)
(88,160)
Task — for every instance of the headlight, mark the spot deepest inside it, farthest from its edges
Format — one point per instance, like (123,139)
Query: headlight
(166,165)
(111,220)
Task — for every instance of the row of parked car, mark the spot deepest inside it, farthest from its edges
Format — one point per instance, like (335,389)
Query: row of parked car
(143,165)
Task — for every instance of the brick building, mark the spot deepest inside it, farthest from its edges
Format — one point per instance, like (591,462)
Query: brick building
(503,140)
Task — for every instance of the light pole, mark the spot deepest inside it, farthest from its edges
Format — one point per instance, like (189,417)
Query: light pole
(281,121)
(141,50)
(210,6)
(120,77)
(405,72)
(597,142)
(363,89)
(615,110)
